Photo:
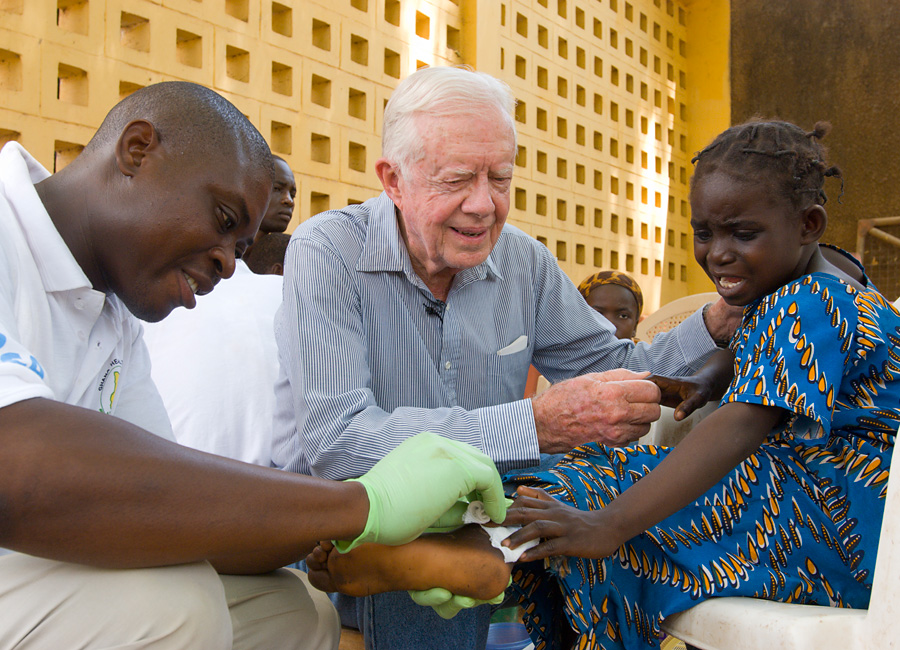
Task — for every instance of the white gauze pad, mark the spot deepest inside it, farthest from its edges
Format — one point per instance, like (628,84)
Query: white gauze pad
(475,514)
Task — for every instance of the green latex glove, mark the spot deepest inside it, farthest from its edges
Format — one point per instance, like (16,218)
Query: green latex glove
(448,605)
(453,518)
(450,520)
(418,482)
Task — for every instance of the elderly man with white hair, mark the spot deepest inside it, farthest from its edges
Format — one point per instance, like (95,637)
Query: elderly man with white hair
(422,309)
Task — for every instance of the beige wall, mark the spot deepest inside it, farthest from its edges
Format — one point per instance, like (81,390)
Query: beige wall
(606,88)
(312,77)
(606,127)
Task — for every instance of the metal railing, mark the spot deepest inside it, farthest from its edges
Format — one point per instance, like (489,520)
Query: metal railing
(879,251)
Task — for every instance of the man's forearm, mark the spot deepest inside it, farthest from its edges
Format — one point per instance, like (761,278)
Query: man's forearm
(89,488)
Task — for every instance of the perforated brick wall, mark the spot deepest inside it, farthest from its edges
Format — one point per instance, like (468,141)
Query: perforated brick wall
(602,86)
(603,164)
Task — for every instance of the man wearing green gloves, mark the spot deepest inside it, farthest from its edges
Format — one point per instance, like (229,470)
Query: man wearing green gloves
(113,535)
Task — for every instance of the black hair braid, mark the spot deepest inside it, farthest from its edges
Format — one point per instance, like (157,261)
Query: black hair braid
(782,152)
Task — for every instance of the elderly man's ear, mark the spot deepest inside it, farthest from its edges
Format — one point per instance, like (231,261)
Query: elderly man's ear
(389,175)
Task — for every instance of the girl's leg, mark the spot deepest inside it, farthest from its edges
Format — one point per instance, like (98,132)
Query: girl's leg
(463,562)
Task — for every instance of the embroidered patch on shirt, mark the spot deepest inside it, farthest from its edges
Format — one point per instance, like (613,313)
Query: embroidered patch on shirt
(109,386)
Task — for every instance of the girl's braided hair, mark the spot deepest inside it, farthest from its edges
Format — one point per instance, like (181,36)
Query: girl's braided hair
(780,152)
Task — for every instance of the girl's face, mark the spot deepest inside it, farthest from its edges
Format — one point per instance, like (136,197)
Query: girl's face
(618,305)
(749,240)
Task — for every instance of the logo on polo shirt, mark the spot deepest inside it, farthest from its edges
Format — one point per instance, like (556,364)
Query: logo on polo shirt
(9,353)
(109,386)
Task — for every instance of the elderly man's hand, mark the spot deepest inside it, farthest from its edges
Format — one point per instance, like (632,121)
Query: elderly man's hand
(721,320)
(614,407)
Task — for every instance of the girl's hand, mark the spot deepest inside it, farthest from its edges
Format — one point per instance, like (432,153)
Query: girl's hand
(687,394)
(564,530)
(684,394)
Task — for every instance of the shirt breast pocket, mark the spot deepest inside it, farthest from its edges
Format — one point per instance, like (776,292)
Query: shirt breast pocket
(509,370)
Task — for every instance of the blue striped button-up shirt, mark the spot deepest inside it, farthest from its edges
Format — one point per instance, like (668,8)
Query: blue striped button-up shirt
(369,358)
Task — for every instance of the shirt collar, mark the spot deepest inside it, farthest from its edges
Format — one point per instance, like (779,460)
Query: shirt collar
(20,172)
(384,249)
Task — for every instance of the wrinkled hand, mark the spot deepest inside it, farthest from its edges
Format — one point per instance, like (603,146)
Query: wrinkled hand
(448,605)
(564,530)
(684,394)
(418,482)
(722,319)
(614,407)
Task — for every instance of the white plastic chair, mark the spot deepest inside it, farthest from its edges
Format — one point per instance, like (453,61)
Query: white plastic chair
(672,314)
(666,432)
(750,624)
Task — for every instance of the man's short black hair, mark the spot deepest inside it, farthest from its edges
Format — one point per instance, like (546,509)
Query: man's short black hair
(199,119)
(267,253)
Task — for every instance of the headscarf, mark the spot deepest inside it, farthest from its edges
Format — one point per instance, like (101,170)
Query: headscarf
(612,277)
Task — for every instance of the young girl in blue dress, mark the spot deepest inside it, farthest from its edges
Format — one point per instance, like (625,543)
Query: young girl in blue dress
(777,494)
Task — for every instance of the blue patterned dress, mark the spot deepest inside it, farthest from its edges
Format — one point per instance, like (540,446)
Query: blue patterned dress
(798,521)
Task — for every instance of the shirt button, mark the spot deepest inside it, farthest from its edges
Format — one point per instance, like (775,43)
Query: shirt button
(79,303)
(447,365)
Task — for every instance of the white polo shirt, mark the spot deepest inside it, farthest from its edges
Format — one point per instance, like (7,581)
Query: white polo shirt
(59,338)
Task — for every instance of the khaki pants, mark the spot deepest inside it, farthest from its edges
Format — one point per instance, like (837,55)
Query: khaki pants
(48,605)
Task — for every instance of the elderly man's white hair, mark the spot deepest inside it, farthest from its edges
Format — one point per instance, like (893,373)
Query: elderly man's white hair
(439,92)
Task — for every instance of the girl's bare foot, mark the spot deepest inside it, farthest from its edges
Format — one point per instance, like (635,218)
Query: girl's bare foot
(463,562)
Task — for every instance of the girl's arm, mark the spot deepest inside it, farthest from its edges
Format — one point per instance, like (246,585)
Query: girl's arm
(712,449)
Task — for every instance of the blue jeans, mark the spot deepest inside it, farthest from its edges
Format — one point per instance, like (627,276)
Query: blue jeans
(392,621)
